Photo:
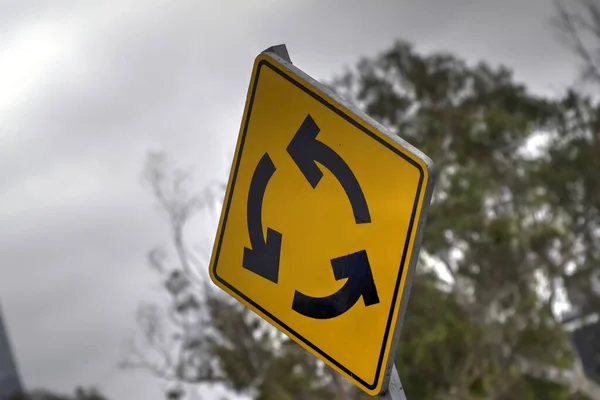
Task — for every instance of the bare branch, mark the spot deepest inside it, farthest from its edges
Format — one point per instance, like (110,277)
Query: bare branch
(175,343)
(574,26)
(574,378)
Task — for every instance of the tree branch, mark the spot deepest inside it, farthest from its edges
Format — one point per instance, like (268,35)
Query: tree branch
(576,379)
(572,25)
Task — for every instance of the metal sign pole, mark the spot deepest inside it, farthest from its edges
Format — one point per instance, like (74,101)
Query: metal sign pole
(395,390)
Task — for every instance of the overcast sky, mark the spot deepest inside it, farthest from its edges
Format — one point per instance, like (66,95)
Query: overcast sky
(88,87)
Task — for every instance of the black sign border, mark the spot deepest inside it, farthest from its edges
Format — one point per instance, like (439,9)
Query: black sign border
(403,261)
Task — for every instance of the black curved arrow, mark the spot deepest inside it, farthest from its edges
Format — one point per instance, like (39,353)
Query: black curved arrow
(263,258)
(356,268)
(305,149)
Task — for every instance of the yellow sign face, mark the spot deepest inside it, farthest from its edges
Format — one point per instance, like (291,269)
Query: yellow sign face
(320,227)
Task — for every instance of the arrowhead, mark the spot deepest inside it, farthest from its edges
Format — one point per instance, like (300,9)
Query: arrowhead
(301,150)
(264,260)
(357,269)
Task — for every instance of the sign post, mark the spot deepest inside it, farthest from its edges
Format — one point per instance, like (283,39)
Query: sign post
(395,391)
(322,222)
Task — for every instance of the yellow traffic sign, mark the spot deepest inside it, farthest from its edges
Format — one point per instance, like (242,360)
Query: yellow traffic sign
(321,223)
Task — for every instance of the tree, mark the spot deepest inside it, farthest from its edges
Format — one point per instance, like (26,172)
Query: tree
(574,147)
(174,345)
(500,228)
(573,192)
(569,171)
(492,226)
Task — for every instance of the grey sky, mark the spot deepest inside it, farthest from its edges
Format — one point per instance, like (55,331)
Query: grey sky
(86,88)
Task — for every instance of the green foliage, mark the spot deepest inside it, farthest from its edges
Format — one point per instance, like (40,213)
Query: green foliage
(486,223)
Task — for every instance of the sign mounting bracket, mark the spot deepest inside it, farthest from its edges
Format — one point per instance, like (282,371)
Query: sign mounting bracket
(281,51)
(395,389)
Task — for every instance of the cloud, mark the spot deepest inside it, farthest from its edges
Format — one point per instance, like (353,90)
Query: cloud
(86,88)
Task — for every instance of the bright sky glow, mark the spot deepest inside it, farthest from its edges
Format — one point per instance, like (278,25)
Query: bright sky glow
(25,57)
